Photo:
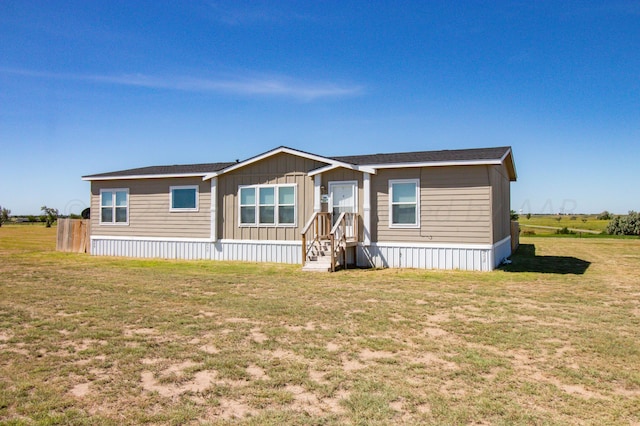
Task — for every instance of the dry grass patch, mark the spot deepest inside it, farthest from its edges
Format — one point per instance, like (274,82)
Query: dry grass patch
(87,340)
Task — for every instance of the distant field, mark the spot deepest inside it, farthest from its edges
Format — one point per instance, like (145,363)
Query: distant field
(554,338)
(587,222)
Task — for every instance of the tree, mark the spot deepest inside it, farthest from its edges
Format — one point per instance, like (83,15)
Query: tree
(4,215)
(605,215)
(514,215)
(51,215)
(625,225)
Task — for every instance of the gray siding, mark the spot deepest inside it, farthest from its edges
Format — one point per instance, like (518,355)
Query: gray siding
(149,214)
(501,202)
(455,205)
(278,169)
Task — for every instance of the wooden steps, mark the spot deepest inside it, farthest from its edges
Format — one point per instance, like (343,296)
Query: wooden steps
(319,259)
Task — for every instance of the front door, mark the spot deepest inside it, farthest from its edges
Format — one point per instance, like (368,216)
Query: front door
(343,198)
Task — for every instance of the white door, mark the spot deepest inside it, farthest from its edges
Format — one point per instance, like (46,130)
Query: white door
(343,198)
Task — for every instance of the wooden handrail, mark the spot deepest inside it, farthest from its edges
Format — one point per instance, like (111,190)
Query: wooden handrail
(309,223)
(337,235)
(320,222)
(338,223)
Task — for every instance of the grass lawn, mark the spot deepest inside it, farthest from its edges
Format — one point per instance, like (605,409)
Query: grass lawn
(94,340)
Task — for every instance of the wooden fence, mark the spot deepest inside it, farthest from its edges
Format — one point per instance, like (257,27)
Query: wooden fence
(73,235)
(515,236)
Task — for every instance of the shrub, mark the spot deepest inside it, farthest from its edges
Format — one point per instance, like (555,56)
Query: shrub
(564,231)
(528,216)
(625,225)
(514,215)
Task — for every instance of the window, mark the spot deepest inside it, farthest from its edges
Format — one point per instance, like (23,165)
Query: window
(267,209)
(268,205)
(184,198)
(247,206)
(114,207)
(287,205)
(404,209)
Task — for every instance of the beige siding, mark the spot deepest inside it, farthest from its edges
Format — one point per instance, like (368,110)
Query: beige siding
(149,214)
(279,169)
(455,205)
(501,202)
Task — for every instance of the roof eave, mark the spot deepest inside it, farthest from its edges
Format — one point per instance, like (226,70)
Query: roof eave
(143,176)
(510,165)
(337,165)
(435,164)
(283,149)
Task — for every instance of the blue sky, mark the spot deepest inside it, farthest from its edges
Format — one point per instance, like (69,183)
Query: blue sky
(95,86)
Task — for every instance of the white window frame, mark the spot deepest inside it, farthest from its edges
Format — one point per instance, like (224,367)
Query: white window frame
(184,209)
(276,213)
(254,205)
(113,206)
(415,225)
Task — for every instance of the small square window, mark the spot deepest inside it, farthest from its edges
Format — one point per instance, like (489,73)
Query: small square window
(184,198)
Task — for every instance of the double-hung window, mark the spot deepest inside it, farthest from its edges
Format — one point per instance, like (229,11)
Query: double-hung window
(114,207)
(267,205)
(404,203)
(184,198)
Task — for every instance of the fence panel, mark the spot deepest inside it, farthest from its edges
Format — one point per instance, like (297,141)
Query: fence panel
(73,235)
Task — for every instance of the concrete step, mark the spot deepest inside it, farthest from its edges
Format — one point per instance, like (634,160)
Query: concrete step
(316,267)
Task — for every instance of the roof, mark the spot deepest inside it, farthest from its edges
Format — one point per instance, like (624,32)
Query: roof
(163,171)
(478,154)
(366,163)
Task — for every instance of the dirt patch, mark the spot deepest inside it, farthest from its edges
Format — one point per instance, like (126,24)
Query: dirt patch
(309,403)
(317,376)
(129,332)
(80,390)
(434,332)
(230,409)
(310,326)
(235,320)
(5,335)
(352,364)
(332,347)
(526,365)
(286,354)
(438,318)
(258,336)
(256,372)
(304,401)
(369,355)
(210,349)
(428,358)
(202,380)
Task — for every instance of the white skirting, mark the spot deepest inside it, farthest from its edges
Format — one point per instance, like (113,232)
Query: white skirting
(501,250)
(466,257)
(470,257)
(250,251)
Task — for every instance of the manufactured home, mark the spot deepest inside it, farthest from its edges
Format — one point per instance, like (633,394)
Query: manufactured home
(446,209)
